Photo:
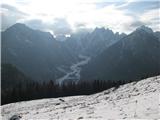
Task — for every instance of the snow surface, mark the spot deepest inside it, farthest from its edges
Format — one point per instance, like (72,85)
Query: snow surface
(74,74)
(136,100)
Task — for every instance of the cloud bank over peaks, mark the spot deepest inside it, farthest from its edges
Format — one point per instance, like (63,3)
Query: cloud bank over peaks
(66,17)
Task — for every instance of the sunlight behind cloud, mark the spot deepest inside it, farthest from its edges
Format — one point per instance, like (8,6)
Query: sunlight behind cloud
(149,17)
(79,14)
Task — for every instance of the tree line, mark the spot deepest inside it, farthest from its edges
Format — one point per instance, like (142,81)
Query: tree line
(35,90)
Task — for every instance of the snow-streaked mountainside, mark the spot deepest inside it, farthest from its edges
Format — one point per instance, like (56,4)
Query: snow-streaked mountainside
(134,100)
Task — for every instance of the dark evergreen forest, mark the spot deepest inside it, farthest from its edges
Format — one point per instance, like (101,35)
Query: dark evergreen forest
(17,87)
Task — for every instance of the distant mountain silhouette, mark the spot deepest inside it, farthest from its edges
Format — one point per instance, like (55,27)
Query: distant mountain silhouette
(93,43)
(114,56)
(133,57)
(35,52)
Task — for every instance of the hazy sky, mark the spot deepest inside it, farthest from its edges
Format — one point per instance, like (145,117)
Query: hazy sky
(67,16)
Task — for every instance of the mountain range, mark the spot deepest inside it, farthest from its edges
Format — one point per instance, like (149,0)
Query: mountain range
(42,57)
(133,57)
(34,52)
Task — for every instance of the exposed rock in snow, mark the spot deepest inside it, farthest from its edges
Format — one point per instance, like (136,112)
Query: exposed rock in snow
(15,117)
(138,100)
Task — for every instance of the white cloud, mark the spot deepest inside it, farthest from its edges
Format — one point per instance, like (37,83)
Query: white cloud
(80,14)
(10,15)
(152,18)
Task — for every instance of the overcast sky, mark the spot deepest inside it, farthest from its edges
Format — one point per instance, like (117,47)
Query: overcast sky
(67,16)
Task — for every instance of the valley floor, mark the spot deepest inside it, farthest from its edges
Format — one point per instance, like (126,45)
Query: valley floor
(138,100)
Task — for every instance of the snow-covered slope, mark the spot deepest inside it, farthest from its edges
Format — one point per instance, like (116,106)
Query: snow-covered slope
(134,100)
